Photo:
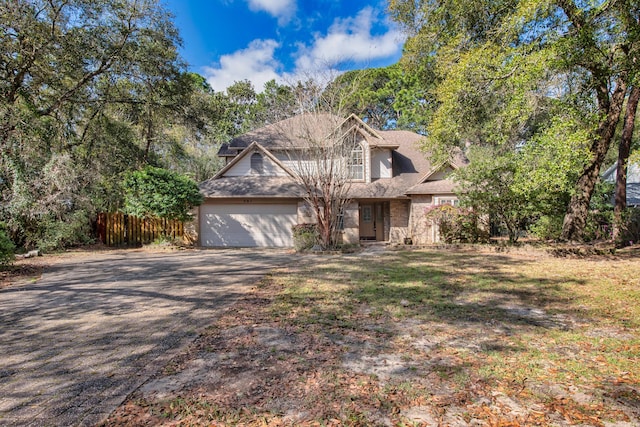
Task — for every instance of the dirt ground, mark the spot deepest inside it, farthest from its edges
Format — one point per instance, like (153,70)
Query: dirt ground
(279,358)
(262,364)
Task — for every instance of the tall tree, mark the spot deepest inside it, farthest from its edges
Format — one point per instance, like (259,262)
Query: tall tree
(326,155)
(393,97)
(63,65)
(624,150)
(502,65)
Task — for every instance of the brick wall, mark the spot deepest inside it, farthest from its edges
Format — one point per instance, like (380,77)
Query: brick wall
(399,226)
(420,229)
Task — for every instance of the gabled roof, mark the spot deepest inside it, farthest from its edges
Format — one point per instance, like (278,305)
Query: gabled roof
(293,132)
(253,147)
(297,131)
(411,166)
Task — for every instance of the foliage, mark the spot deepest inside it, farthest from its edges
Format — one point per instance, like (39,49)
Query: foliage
(305,236)
(157,192)
(488,186)
(80,83)
(393,97)
(547,227)
(630,228)
(55,234)
(504,69)
(7,247)
(457,224)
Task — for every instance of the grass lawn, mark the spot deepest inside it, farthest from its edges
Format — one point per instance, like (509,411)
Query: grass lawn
(455,338)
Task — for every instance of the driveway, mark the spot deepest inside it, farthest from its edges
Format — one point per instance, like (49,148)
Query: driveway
(74,344)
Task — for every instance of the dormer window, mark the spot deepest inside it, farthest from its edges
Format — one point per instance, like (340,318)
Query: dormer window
(356,163)
(257,163)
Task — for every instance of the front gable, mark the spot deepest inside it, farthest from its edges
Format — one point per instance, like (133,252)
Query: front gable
(256,161)
(444,172)
(439,172)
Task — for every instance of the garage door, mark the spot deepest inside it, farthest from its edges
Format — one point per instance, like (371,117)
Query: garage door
(246,225)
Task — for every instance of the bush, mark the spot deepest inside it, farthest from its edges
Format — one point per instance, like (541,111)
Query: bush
(7,248)
(547,227)
(599,226)
(305,236)
(160,193)
(55,234)
(457,225)
(630,227)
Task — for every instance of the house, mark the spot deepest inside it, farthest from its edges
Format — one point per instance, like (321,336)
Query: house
(633,181)
(255,200)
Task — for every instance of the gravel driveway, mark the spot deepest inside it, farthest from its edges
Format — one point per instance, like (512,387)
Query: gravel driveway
(74,344)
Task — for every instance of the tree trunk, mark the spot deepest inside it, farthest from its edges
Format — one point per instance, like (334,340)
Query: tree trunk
(623,160)
(576,217)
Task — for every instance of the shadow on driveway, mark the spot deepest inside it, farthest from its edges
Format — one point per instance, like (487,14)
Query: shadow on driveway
(96,326)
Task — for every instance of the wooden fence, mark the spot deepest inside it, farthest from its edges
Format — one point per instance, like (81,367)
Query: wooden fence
(118,229)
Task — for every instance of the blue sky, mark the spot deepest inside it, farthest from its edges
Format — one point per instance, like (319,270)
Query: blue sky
(286,40)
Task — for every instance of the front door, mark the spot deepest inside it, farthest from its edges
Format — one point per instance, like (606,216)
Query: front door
(367,222)
(372,221)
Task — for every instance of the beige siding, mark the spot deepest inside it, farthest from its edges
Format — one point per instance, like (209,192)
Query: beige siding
(441,174)
(243,167)
(380,164)
(306,215)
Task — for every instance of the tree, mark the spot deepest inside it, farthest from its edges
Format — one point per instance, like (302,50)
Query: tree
(624,151)
(326,153)
(159,193)
(69,72)
(393,97)
(502,66)
(489,189)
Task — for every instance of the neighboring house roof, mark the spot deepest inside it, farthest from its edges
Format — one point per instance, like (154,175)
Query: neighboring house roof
(411,166)
(633,181)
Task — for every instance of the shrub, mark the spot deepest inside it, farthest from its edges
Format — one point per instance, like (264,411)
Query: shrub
(547,227)
(599,226)
(7,247)
(630,227)
(55,234)
(305,236)
(161,193)
(456,224)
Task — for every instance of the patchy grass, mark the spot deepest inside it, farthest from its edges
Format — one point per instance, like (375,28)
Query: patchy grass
(415,338)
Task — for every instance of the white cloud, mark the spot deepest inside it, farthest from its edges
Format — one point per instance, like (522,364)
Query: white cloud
(281,9)
(350,40)
(256,63)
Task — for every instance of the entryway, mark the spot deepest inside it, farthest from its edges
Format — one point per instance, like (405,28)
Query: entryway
(374,221)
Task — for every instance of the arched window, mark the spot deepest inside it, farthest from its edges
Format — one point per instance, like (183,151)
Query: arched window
(257,164)
(356,163)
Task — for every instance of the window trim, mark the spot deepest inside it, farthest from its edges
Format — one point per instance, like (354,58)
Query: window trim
(447,200)
(356,163)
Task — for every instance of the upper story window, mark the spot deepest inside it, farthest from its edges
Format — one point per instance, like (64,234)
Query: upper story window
(356,163)
(257,163)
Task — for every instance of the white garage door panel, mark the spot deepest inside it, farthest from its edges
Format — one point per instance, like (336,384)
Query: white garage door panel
(248,225)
